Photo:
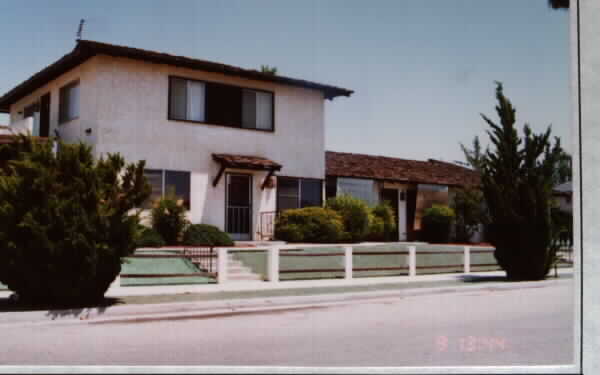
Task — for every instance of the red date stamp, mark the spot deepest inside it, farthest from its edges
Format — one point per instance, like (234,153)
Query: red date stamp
(471,344)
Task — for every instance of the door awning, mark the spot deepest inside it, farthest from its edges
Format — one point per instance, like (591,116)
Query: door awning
(256,163)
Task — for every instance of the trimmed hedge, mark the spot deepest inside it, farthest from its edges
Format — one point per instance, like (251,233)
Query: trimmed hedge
(310,224)
(148,237)
(437,223)
(205,235)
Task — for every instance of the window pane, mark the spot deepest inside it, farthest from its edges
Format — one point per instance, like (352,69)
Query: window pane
(195,104)
(249,109)
(74,102)
(286,203)
(178,183)
(69,102)
(311,193)
(287,193)
(264,110)
(178,99)
(154,178)
(62,105)
(359,188)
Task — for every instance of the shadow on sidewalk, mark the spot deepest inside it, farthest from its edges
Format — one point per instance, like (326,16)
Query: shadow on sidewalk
(482,278)
(57,310)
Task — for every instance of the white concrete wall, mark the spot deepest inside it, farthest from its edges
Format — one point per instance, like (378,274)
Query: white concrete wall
(74,130)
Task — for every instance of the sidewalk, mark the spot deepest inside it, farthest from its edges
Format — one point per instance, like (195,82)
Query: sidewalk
(158,303)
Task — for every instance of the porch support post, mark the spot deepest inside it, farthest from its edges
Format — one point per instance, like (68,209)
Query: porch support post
(273,264)
(216,180)
(269,175)
(467,259)
(412,261)
(222,265)
(348,262)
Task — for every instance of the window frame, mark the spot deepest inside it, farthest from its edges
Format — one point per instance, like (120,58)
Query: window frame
(61,115)
(299,181)
(207,84)
(163,173)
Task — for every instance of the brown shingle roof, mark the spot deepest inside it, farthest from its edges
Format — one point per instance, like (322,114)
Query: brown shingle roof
(343,164)
(246,162)
(86,49)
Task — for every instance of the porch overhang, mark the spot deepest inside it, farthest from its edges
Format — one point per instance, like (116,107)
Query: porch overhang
(254,163)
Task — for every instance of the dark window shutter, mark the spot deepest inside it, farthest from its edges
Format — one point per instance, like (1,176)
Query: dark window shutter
(223,105)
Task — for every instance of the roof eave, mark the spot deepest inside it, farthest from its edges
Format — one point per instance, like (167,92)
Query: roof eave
(86,49)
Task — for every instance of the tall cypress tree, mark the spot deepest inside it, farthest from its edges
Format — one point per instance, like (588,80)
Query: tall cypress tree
(517,180)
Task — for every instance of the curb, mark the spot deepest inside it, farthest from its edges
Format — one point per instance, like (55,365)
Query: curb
(139,313)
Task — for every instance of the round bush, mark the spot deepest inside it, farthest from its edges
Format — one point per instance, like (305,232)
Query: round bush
(383,225)
(148,237)
(205,235)
(376,228)
(437,223)
(310,224)
(355,216)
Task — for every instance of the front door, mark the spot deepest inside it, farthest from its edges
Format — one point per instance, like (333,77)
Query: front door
(391,196)
(238,206)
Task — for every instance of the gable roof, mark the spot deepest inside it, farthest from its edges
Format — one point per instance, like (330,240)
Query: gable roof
(342,164)
(86,49)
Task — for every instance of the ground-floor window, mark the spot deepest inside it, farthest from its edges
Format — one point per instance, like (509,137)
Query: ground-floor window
(298,192)
(165,182)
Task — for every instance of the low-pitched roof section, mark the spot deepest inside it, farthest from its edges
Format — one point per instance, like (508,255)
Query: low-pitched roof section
(341,164)
(246,162)
(87,48)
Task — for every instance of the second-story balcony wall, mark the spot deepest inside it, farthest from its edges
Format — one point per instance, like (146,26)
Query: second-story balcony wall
(27,125)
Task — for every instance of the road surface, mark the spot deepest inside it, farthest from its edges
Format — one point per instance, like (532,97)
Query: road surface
(486,326)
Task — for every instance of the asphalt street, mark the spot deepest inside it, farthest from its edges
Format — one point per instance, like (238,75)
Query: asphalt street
(483,326)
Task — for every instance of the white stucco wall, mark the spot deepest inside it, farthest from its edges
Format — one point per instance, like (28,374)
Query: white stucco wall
(129,115)
(74,130)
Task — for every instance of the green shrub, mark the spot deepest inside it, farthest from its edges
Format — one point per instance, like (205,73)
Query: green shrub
(66,221)
(168,219)
(376,228)
(355,216)
(310,224)
(382,225)
(205,235)
(468,206)
(148,237)
(436,223)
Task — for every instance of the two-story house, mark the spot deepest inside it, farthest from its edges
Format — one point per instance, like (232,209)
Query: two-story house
(214,134)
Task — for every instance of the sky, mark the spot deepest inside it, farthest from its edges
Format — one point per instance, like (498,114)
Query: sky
(422,71)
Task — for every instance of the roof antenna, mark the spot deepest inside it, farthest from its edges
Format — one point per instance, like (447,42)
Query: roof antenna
(80,29)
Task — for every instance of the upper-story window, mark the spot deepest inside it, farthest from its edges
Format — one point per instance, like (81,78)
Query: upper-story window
(69,102)
(219,104)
